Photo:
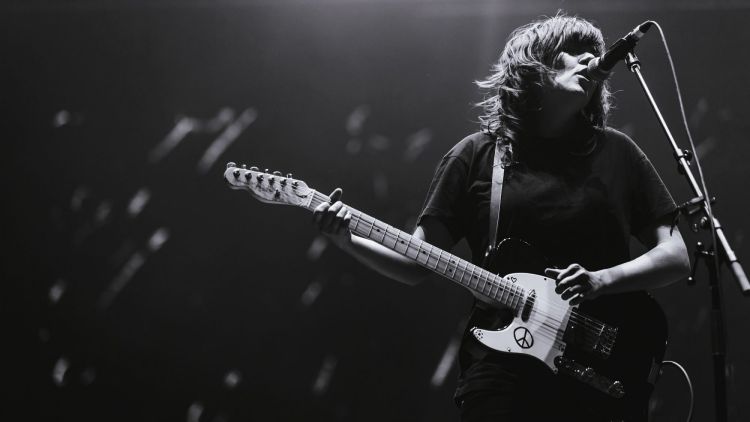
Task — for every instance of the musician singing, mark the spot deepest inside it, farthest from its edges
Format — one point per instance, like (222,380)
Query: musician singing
(573,188)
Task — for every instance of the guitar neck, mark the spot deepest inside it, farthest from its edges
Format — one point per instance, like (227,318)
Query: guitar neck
(433,258)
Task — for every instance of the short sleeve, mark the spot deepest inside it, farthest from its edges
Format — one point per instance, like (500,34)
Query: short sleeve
(651,200)
(446,198)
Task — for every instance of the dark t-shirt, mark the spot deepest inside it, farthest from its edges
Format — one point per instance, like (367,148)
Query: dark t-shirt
(576,199)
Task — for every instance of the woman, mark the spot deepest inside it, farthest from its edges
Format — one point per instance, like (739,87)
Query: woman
(573,188)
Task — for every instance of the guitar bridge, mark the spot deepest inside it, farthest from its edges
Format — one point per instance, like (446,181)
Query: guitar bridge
(605,341)
(592,336)
(589,377)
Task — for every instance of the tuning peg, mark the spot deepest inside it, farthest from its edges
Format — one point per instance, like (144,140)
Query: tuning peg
(248,176)
(259,177)
(244,166)
(236,174)
(265,171)
(289,175)
(277,173)
(253,168)
(231,164)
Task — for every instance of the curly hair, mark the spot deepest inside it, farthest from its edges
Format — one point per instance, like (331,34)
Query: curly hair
(526,62)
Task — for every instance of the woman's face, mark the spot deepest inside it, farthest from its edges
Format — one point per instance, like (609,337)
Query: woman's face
(570,79)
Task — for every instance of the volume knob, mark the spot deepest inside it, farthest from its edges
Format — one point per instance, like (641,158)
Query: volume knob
(588,373)
(616,389)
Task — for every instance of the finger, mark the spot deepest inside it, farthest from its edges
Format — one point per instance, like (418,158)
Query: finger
(339,221)
(329,219)
(567,272)
(552,272)
(571,280)
(326,222)
(321,208)
(336,195)
(335,207)
(345,222)
(319,212)
(577,299)
(574,290)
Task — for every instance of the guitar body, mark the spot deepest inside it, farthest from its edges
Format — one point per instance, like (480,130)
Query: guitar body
(615,375)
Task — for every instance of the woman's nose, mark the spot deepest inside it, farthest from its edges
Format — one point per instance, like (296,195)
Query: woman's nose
(585,58)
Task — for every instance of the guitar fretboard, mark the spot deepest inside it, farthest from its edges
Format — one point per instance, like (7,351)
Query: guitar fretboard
(439,261)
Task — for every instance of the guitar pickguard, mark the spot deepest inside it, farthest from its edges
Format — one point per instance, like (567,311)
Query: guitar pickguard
(537,330)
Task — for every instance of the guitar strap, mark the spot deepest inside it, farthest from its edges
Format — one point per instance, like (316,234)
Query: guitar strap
(479,310)
(498,173)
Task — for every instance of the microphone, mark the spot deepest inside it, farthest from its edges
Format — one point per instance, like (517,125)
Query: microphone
(600,68)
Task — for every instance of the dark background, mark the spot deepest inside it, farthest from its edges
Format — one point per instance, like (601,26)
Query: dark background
(238,310)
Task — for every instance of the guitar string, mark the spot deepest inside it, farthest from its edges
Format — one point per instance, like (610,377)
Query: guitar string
(546,330)
(590,337)
(484,274)
(575,316)
(320,198)
(554,334)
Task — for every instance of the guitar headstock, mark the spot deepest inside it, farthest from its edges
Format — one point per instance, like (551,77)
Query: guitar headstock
(272,188)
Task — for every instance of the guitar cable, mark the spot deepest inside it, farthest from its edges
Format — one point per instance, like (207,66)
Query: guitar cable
(689,384)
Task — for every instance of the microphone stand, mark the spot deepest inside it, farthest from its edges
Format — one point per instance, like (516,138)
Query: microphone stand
(699,206)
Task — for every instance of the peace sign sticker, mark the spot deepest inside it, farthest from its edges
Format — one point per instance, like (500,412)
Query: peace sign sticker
(523,337)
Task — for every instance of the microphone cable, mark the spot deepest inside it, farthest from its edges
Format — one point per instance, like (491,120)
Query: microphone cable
(707,201)
(707,198)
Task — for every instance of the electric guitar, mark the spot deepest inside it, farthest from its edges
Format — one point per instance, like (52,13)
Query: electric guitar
(611,345)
